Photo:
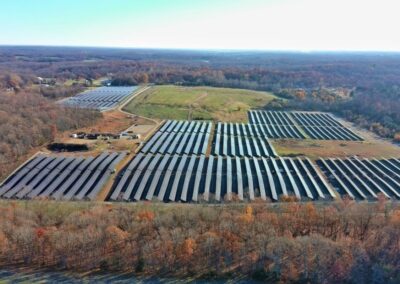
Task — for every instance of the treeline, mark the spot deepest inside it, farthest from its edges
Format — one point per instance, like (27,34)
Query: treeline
(344,242)
(374,78)
(59,92)
(28,120)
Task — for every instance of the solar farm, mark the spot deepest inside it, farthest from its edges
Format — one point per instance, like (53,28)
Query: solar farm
(102,99)
(206,161)
(61,178)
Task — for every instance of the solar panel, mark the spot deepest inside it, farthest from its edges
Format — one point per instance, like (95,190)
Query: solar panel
(95,191)
(248,147)
(165,126)
(367,177)
(197,180)
(311,178)
(233,146)
(167,177)
(224,145)
(85,175)
(101,167)
(249,178)
(331,172)
(197,148)
(218,179)
(270,180)
(166,143)
(63,176)
(353,175)
(348,179)
(178,175)
(171,126)
(368,164)
(159,171)
(72,178)
(239,178)
(241,151)
(132,165)
(52,176)
(217,143)
(185,127)
(280,178)
(188,176)
(41,175)
(302,181)
(182,143)
(208,177)
(190,144)
(291,179)
(229,175)
(135,178)
(24,169)
(327,187)
(172,146)
(260,179)
(146,177)
(23,177)
(102,98)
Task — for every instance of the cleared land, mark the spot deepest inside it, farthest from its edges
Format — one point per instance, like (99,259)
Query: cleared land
(319,148)
(176,102)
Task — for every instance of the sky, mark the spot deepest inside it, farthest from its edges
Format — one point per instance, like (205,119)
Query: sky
(297,25)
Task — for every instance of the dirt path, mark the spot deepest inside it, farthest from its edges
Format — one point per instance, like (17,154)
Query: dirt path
(120,108)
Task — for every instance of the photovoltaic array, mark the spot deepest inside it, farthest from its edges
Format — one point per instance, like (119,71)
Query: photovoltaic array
(363,179)
(275,124)
(195,178)
(180,137)
(194,161)
(316,125)
(103,98)
(241,140)
(59,177)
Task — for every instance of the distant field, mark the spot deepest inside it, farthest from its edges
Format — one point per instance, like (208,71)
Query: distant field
(175,102)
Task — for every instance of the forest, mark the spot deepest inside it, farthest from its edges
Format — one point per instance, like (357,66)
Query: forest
(371,79)
(29,120)
(344,242)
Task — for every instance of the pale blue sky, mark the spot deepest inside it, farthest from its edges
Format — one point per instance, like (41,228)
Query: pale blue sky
(204,24)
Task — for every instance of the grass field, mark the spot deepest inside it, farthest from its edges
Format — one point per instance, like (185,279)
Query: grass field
(327,149)
(204,103)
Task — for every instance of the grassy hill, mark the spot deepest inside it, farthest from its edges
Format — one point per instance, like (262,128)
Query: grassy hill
(176,102)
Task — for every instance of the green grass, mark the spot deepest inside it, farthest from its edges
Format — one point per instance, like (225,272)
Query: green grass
(202,103)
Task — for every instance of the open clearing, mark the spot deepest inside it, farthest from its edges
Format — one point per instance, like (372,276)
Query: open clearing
(197,103)
(320,148)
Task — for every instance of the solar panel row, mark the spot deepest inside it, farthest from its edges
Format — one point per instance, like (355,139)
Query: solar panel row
(363,179)
(314,119)
(59,177)
(179,137)
(195,178)
(270,117)
(242,146)
(102,98)
(260,130)
(316,125)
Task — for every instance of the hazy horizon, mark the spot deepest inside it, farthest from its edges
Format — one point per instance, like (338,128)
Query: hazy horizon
(252,25)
